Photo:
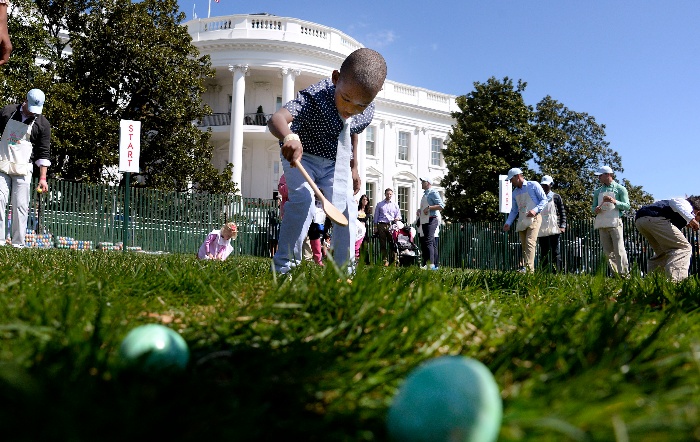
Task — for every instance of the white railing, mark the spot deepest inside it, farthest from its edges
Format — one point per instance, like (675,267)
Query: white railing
(217,25)
(264,27)
(403,93)
(257,23)
(313,32)
(404,90)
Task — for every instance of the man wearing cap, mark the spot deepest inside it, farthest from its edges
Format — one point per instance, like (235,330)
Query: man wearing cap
(386,213)
(430,204)
(553,225)
(610,201)
(26,136)
(529,201)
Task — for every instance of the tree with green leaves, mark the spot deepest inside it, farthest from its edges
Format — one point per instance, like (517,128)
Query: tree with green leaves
(638,197)
(571,146)
(111,60)
(493,132)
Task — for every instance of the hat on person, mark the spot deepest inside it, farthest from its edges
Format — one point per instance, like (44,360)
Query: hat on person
(426,179)
(514,171)
(547,180)
(35,101)
(603,169)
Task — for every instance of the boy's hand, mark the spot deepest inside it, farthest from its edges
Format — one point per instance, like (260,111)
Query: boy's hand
(356,181)
(292,150)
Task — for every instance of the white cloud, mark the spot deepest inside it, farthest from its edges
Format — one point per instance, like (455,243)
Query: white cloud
(380,39)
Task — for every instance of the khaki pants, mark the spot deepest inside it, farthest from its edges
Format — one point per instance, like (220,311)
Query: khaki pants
(614,248)
(671,249)
(528,241)
(306,251)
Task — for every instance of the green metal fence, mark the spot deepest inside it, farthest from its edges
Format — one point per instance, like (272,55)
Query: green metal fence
(178,222)
(158,220)
(486,246)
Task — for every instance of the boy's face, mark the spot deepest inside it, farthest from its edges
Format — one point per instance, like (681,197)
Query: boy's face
(350,98)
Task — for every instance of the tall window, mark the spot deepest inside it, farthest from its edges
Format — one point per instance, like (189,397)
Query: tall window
(370,188)
(436,151)
(402,201)
(404,146)
(278,103)
(369,141)
(276,173)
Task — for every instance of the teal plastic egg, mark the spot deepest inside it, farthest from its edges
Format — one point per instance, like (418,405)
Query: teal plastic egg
(154,347)
(451,398)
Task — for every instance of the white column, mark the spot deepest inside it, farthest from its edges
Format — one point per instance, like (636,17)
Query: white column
(420,142)
(235,149)
(387,177)
(362,161)
(288,77)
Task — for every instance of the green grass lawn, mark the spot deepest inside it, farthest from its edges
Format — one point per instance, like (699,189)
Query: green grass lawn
(580,358)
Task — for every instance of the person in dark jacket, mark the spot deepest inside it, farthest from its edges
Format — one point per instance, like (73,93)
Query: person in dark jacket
(661,223)
(553,225)
(26,137)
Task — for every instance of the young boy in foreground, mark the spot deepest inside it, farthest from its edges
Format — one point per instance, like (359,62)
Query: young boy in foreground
(326,119)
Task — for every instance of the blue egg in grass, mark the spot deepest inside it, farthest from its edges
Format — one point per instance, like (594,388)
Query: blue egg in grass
(450,398)
(154,347)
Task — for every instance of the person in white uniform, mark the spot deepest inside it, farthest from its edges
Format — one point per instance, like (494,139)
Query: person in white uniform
(610,201)
(26,138)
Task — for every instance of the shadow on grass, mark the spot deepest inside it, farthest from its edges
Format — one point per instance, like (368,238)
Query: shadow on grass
(240,393)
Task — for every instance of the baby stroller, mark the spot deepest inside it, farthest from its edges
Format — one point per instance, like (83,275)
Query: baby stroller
(407,252)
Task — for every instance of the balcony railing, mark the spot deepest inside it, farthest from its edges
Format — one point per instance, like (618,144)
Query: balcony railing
(221,119)
(271,27)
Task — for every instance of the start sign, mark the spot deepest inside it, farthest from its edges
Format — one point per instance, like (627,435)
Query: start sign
(129,145)
(505,194)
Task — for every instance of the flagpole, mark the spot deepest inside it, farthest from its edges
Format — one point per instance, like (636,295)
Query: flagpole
(209,12)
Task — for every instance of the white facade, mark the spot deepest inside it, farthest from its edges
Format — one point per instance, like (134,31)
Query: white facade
(264,60)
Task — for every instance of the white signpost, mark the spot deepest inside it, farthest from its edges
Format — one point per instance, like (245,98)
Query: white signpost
(129,153)
(505,203)
(129,145)
(505,194)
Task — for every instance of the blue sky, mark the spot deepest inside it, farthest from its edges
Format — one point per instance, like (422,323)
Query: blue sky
(633,65)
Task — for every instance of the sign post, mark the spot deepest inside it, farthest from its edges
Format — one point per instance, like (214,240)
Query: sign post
(129,153)
(505,203)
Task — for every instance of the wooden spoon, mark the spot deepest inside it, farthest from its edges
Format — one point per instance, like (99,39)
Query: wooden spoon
(331,211)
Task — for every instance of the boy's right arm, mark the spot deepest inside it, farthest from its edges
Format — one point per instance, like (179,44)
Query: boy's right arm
(279,127)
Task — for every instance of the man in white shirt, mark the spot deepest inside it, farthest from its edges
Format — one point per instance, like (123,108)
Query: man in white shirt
(660,224)
(529,199)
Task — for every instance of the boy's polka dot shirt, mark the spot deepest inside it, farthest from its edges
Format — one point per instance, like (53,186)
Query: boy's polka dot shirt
(317,122)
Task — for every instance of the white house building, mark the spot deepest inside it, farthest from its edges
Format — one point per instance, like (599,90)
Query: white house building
(262,61)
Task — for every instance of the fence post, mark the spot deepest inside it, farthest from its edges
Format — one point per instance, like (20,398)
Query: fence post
(125,224)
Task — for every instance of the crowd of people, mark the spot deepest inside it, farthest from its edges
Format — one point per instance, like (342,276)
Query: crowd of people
(541,214)
(319,130)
